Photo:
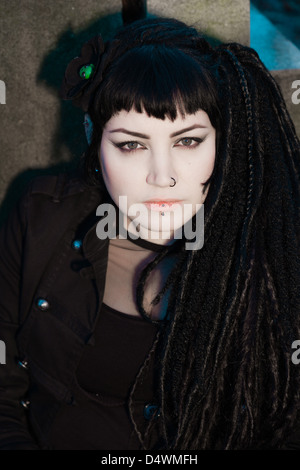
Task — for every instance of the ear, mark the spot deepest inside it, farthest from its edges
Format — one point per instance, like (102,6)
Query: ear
(88,127)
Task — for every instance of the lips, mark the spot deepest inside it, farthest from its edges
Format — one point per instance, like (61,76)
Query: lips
(163,205)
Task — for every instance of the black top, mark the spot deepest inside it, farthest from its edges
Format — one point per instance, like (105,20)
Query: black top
(107,371)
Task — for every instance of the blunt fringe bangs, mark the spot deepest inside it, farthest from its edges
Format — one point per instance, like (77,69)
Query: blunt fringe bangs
(159,80)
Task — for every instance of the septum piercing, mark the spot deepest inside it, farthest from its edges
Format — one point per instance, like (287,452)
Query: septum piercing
(172,185)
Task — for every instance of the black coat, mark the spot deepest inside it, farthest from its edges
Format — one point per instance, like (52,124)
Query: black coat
(51,294)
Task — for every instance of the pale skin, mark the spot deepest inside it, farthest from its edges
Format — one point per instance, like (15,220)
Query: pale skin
(138,156)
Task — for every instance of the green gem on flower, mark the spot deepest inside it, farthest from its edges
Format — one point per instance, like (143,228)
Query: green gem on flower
(87,71)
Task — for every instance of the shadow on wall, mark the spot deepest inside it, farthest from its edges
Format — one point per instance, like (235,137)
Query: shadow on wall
(68,46)
(69,132)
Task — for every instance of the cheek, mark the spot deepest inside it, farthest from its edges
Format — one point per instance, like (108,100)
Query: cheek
(107,166)
(115,175)
(207,171)
(108,171)
(207,164)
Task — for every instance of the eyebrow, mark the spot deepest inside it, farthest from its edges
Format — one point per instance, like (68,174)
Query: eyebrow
(144,136)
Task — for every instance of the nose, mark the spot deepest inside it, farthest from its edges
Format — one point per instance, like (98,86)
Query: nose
(161,172)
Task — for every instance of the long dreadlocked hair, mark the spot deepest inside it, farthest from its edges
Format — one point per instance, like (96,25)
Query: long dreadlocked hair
(226,379)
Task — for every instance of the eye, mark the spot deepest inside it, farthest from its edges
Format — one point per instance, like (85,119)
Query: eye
(129,146)
(187,141)
(191,142)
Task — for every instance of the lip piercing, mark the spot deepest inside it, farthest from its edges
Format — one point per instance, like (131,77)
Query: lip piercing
(174,182)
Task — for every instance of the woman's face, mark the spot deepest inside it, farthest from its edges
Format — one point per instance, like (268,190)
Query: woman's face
(140,156)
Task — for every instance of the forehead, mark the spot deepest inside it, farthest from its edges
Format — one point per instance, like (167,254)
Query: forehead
(133,120)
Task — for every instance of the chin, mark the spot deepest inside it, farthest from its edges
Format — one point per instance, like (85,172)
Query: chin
(162,228)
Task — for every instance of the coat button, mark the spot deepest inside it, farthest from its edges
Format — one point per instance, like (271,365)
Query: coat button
(22,363)
(151,411)
(25,404)
(43,304)
(76,245)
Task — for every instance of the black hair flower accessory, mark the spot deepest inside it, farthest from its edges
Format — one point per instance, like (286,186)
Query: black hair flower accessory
(84,73)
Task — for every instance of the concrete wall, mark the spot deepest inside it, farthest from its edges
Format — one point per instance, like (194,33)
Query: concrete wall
(38,38)
(274,34)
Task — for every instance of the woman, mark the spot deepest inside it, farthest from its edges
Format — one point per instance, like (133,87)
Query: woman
(127,337)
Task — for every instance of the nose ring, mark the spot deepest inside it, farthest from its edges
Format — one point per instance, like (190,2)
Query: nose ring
(174,182)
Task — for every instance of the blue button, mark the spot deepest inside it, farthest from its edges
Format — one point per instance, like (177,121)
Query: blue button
(77,244)
(25,403)
(23,364)
(151,411)
(43,304)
